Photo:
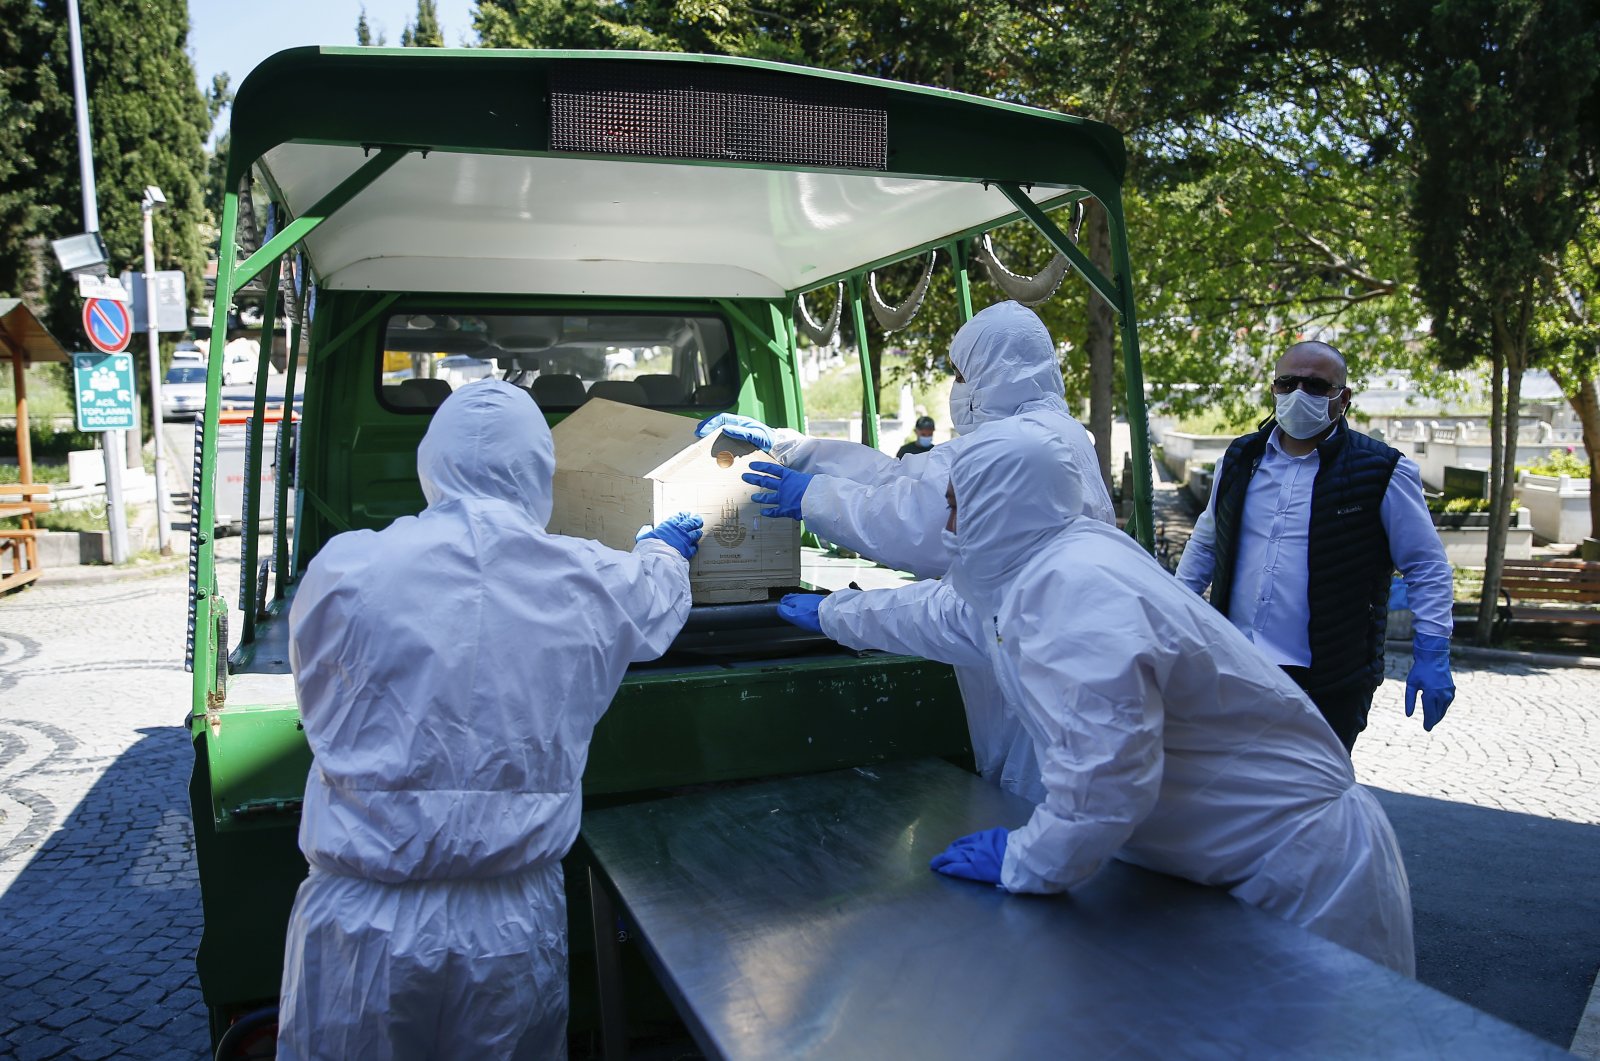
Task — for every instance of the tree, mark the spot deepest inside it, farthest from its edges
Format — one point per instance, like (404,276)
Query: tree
(1568,331)
(219,97)
(1283,218)
(364,32)
(147,123)
(1504,114)
(28,192)
(425,32)
(1138,66)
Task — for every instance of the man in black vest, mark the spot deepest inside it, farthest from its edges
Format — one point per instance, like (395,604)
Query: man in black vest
(1307,522)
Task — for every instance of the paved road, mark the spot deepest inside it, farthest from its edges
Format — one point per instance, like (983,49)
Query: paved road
(1497,811)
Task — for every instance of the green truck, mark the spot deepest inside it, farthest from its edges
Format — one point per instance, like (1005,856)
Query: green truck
(636,226)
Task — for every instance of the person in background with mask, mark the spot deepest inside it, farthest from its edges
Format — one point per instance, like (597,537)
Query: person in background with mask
(1166,740)
(893,511)
(923,441)
(450,670)
(1307,521)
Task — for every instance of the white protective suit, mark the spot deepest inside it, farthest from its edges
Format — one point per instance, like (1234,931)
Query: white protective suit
(1166,739)
(893,511)
(450,671)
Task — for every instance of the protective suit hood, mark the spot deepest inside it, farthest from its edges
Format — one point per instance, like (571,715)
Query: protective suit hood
(489,440)
(1015,490)
(1008,360)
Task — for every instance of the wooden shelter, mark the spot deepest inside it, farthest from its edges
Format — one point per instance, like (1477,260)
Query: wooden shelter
(23,341)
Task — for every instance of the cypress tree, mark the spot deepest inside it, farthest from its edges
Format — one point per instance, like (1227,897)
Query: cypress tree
(426,32)
(148,122)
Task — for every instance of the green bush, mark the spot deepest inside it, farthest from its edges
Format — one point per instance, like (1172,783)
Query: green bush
(1218,422)
(1558,462)
(1458,504)
(47,442)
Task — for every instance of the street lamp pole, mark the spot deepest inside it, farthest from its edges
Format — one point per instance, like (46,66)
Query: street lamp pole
(111,440)
(153,201)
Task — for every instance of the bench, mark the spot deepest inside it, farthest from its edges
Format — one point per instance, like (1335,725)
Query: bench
(19,561)
(1538,589)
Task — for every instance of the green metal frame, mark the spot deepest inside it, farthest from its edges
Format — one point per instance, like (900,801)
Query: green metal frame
(869,396)
(280,519)
(1118,293)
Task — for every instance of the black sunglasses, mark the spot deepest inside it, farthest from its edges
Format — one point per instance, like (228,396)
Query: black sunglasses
(1313,385)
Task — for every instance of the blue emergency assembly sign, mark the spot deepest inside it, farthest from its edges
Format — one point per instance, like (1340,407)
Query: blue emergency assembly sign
(108,324)
(103,386)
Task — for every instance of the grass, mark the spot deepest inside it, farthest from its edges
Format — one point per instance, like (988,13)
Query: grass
(48,393)
(43,472)
(91,519)
(1468,584)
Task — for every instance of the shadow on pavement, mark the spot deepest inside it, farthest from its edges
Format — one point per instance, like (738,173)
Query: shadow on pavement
(1507,909)
(98,930)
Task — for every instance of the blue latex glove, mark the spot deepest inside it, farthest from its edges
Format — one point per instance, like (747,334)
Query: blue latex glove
(1430,676)
(976,857)
(744,428)
(1399,596)
(780,487)
(681,531)
(801,610)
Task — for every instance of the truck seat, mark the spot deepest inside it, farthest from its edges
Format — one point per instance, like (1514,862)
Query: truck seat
(619,390)
(418,393)
(557,390)
(663,388)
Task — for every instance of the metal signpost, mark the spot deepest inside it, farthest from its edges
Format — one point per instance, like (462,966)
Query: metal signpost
(104,388)
(158,292)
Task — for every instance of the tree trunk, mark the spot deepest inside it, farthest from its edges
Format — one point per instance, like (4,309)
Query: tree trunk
(1585,401)
(1496,416)
(1512,353)
(1099,342)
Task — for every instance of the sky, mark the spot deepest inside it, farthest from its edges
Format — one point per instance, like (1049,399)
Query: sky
(235,35)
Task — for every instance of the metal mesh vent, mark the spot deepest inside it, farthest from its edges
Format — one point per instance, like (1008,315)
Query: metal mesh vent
(697,112)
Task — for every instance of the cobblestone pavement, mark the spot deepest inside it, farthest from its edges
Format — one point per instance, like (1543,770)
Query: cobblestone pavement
(99,902)
(99,905)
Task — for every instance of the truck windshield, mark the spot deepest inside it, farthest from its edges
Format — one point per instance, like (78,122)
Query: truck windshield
(563,359)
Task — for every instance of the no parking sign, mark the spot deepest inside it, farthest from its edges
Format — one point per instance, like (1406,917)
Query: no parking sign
(108,324)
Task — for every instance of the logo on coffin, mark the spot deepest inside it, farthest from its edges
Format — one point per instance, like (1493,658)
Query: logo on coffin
(729,532)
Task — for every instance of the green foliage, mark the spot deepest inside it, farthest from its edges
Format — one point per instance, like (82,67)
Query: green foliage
(1218,421)
(836,394)
(1505,112)
(219,97)
(1558,462)
(1278,220)
(1457,505)
(49,394)
(147,123)
(424,33)
(364,31)
(28,94)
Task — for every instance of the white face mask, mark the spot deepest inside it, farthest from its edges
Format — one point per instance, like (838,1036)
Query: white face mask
(948,536)
(961,407)
(925,441)
(1302,415)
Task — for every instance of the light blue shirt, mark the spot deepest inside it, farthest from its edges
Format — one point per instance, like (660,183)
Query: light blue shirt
(1270,603)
